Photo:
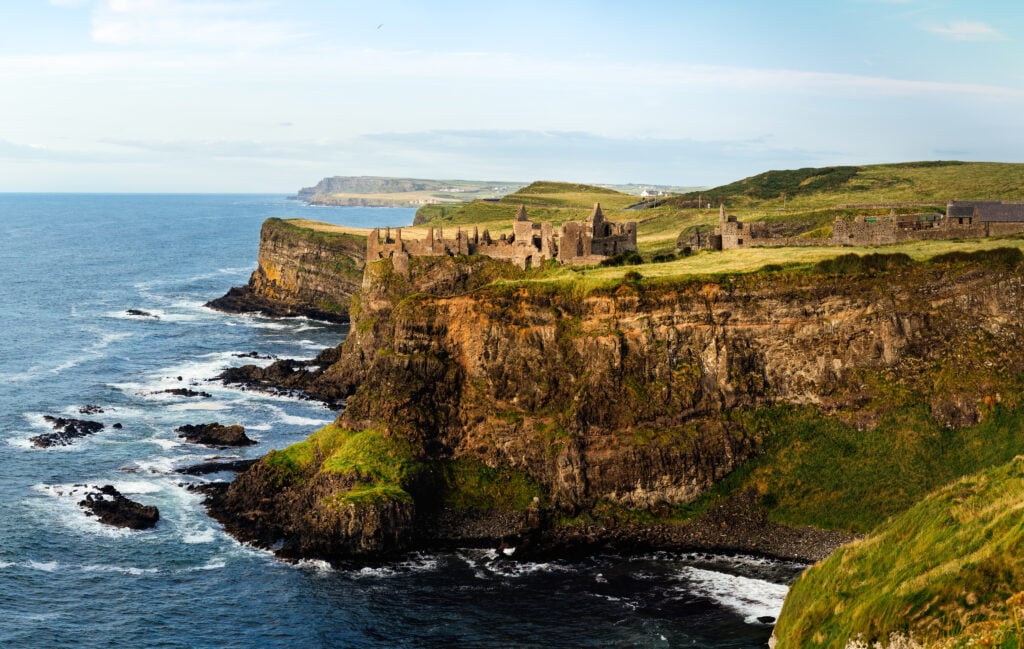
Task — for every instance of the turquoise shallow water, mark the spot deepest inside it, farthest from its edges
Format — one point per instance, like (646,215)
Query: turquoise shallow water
(71,267)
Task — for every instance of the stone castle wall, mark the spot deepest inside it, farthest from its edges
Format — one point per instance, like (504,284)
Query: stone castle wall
(579,242)
(892,229)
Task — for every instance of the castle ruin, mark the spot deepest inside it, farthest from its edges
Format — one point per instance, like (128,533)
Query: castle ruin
(530,244)
(590,241)
(963,219)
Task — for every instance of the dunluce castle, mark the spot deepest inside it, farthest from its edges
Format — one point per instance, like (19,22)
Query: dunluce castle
(963,219)
(530,244)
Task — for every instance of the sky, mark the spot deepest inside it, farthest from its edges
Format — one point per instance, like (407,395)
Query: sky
(270,96)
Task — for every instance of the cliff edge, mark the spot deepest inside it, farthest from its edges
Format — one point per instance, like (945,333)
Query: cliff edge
(489,404)
(300,272)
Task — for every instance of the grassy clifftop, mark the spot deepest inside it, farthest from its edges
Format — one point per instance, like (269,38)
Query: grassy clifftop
(936,181)
(947,573)
(793,201)
(547,201)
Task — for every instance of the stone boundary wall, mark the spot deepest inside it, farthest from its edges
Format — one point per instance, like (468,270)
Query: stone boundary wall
(886,206)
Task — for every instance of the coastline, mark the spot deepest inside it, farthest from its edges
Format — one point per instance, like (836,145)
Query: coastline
(729,529)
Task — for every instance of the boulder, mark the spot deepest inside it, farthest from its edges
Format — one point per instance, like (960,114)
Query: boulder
(215,434)
(142,314)
(66,431)
(216,466)
(184,392)
(111,508)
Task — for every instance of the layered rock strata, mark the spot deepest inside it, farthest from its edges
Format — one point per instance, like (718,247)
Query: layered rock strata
(300,272)
(626,397)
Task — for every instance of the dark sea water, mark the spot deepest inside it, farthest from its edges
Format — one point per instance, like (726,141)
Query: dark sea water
(70,267)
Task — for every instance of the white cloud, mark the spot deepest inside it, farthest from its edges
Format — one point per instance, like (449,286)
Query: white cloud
(965,30)
(174,22)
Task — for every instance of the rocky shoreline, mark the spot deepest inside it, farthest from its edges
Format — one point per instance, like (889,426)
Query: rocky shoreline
(245,299)
(733,527)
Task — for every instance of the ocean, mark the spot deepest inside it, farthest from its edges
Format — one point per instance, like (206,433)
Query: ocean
(71,267)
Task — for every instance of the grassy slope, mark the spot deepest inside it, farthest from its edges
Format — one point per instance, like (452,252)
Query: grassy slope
(827,187)
(946,572)
(545,201)
(811,197)
(387,467)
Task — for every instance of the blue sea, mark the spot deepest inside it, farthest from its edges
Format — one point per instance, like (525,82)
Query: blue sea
(70,268)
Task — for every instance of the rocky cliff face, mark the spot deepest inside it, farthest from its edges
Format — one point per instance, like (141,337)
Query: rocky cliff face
(300,272)
(634,397)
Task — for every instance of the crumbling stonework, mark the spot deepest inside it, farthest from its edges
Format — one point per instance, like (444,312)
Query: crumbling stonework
(963,219)
(530,244)
(590,241)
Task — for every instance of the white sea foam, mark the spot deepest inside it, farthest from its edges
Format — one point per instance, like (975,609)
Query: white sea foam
(126,570)
(489,563)
(159,464)
(138,487)
(515,569)
(295,420)
(317,565)
(204,405)
(751,598)
(205,535)
(212,564)
(156,316)
(412,564)
(166,444)
(65,509)
(43,566)
(21,443)
(236,270)
(90,352)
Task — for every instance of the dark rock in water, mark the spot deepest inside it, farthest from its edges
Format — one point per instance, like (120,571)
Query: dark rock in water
(112,508)
(766,619)
(217,466)
(65,431)
(242,299)
(215,435)
(184,392)
(142,314)
(256,355)
(90,409)
(289,377)
(117,426)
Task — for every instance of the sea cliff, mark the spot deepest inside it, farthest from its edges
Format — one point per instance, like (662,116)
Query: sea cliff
(300,271)
(488,404)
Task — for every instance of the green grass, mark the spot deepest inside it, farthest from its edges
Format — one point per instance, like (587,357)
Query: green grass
(470,484)
(300,458)
(375,457)
(713,265)
(947,572)
(827,187)
(545,201)
(800,202)
(383,465)
(295,228)
(817,470)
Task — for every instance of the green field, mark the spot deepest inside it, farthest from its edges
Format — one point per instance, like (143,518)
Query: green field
(801,201)
(826,187)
